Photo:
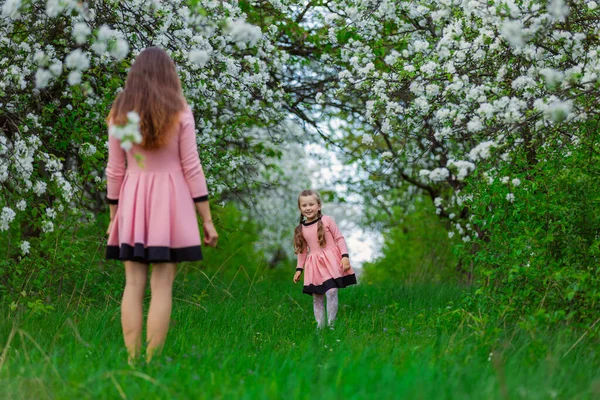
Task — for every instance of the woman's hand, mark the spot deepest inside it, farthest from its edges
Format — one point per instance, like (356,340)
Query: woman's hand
(345,264)
(297,276)
(211,237)
(113,214)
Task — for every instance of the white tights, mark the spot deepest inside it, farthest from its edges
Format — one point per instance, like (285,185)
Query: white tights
(319,307)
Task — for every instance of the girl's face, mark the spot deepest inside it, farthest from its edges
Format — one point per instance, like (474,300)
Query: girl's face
(309,207)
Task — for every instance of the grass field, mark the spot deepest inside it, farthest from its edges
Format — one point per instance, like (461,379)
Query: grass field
(259,341)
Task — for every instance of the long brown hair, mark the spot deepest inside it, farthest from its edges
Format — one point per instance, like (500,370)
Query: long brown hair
(153,90)
(299,241)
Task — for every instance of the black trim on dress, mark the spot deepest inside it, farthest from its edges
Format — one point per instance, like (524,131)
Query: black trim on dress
(153,254)
(311,222)
(112,201)
(200,199)
(332,283)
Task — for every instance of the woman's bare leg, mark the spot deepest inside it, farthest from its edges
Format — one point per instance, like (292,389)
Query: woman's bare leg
(159,314)
(131,307)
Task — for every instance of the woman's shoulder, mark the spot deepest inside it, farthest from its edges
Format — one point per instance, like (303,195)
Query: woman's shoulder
(186,113)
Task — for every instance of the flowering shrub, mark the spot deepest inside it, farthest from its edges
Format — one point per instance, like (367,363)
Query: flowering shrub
(540,243)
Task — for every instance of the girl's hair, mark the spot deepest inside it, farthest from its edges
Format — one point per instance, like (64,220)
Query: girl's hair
(153,90)
(299,241)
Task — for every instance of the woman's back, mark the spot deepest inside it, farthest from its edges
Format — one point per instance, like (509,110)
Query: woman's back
(167,158)
(156,194)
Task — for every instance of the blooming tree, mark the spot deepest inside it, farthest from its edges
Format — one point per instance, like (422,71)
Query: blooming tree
(63,63)
(432,94)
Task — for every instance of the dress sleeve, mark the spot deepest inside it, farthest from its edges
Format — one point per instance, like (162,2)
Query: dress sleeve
(115,169)
(190,160)
(301,261)
(337,236)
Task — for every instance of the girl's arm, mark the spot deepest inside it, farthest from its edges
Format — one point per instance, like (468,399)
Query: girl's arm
(337,236)
(115,172)
(300,265)
(301,261)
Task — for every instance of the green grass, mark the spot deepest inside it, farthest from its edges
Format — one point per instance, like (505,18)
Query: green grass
(260,342)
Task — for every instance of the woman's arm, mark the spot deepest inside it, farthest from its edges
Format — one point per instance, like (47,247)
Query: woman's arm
(115,171)
(190,160)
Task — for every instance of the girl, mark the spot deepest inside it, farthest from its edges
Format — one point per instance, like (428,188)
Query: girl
(322,256)
(153,207)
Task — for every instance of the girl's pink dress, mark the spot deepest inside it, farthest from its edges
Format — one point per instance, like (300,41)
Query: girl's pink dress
(156,216)
(322,265)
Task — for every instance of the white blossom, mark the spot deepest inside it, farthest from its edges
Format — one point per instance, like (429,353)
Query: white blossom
(199,57)
(21,205)
(87,150)
(512,31)
(439,174)
(319,98)
(51,213)
(42,77)
(10,8)
(56,68)
(558,9)
(129,133)
(558,111)
(464,168)
(120,49)
(6,217)
(77,60)
(81,31)
(74,78)
(243,32)
(39,188)
(25,246)
(482,150)
(47,226)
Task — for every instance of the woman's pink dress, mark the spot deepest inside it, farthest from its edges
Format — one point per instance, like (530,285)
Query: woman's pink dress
(156,216)
(322,265)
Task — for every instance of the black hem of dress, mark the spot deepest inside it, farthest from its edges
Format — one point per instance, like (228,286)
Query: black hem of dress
(112,201)
(200,199)
(153,254)
(332,283)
